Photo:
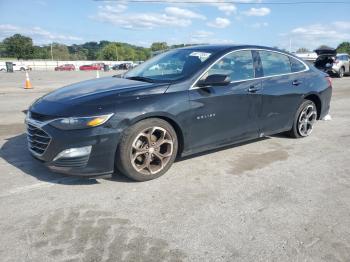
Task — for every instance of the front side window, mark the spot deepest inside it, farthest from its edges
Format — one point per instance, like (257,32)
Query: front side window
(237,65)
(170,66)
(296,65)
(274,63)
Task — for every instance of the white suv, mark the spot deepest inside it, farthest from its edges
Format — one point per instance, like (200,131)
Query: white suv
(341,65)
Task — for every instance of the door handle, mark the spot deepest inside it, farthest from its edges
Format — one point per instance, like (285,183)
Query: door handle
(297,82)
(253,89)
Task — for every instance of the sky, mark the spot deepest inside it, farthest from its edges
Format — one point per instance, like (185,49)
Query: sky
(79,21)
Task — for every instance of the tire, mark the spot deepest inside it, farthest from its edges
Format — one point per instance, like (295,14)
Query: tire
(22,69)
(303,125)
(147,149)
(341,72)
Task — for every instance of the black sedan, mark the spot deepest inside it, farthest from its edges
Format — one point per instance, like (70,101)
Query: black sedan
(178,103)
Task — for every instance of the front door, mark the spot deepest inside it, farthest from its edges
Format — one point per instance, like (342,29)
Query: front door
(222,114)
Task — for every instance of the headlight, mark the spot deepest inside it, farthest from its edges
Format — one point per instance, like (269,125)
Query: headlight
(80,122)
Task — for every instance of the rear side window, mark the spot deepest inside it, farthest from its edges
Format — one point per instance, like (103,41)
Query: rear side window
(296,65)
(237,65)
(274,63)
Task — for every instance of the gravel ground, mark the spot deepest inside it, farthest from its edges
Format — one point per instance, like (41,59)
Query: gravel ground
(275,199)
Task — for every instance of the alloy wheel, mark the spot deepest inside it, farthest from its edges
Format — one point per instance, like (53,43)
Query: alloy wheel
(307,119)
(151,150)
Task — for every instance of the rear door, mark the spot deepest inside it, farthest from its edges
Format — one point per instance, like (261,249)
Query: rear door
(347,63)
(282,88)
(226,113)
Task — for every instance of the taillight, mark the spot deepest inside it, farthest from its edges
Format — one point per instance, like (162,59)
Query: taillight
(329,80)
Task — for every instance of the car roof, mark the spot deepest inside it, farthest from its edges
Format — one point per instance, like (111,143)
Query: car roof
(226,47)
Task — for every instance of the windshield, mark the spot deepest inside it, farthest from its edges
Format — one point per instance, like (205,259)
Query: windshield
(169,66)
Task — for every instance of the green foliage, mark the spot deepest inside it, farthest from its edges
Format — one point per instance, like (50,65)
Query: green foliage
(59,52)
(22,47)
(2,49)
(344,48)
(41,53)
(157,46)
(109,52)
(19,46)
(122,51)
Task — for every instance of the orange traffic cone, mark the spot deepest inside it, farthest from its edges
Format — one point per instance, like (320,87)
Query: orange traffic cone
(28,85)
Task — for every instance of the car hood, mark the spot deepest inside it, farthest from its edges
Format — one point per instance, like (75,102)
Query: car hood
(88,96)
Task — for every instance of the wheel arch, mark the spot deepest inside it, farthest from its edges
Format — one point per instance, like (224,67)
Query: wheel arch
(168,118)
(316,99)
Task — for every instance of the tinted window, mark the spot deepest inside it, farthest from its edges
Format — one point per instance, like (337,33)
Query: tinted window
(296,65)
(274,63)
(237,65)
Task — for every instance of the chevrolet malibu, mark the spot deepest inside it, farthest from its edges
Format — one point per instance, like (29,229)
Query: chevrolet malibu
(204,97)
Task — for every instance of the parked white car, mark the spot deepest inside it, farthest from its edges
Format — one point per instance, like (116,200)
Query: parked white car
(20,67)
(16,67)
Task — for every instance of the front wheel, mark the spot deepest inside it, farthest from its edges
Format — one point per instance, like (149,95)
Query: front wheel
(304,120)
(147,149)
(341,72)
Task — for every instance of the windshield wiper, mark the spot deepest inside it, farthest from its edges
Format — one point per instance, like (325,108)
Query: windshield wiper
(141,78)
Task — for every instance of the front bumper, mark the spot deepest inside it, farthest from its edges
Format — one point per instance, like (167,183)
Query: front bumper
(103,141)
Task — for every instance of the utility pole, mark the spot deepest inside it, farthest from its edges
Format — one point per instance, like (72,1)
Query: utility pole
(51,53)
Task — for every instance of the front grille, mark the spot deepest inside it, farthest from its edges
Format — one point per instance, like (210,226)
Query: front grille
(38,139)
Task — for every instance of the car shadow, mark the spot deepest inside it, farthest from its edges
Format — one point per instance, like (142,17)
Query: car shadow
(14,151)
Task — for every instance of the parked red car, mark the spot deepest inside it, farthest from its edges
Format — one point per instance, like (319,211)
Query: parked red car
(91,67)
(66,67)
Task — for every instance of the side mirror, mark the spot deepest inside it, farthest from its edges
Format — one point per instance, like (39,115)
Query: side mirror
(215,80)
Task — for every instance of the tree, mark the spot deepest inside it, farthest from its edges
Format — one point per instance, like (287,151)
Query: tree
(302,50)
(344,48)
(157,46)
(40,53)
(109,52)
(77,52)
(92,49)
(2,50)
(59,51)
(19,46)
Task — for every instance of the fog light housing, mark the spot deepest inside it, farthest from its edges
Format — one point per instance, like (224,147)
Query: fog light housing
(74,152)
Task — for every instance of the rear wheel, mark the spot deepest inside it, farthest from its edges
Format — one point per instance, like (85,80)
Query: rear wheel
(304,120)
(147,150)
